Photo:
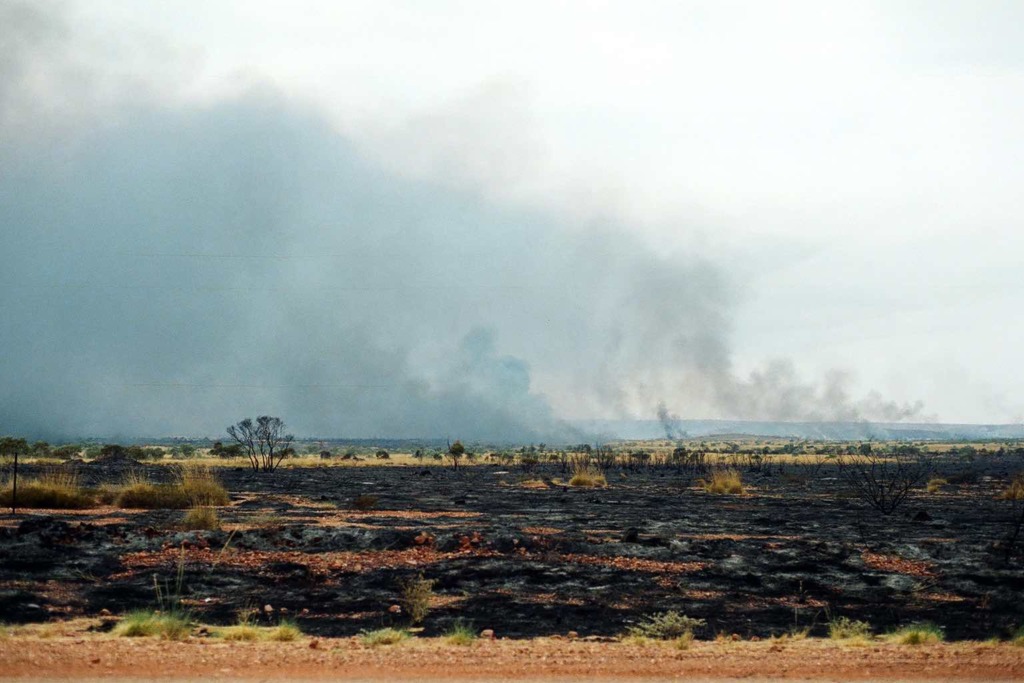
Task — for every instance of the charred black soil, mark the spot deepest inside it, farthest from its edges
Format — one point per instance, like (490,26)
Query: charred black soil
(795,550)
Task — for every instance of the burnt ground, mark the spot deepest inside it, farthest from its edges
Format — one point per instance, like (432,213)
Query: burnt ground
(796,549)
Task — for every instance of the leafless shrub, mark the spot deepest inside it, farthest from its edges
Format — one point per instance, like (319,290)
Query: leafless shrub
(1014,497)
(883,481)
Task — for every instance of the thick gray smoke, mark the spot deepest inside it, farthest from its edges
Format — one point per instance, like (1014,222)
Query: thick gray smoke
(177,269)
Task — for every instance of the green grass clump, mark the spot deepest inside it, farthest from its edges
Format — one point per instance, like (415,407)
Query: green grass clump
(285,632)
(918,634)
(383,636)
(460,633)
(723,481)
(845,628)
(588,477)
(57,490)
(148,624)
(201,519)
(665,626)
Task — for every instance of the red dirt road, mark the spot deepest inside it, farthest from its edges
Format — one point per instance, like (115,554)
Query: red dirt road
(96,658)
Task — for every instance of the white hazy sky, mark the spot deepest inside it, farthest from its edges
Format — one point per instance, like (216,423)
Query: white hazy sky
(857,164)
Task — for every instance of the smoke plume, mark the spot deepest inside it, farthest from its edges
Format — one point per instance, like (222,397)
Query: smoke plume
(177,267)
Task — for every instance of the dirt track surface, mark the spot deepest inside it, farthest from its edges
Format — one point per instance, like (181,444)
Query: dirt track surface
(500,660)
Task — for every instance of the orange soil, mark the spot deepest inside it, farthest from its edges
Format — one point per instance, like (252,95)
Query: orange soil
(33,657)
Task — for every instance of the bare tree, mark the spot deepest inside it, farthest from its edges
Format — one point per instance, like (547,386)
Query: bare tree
(264,441)
(883,481)
(1014,496)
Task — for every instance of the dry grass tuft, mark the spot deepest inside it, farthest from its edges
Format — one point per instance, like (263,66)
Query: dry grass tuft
(383,636)
(918,634)
(845,628)
(723,481)
(460,633)
(588,477)
(56,489)
(201,486)
(239,633)
(935,485)
(147,624)
(1015,491)
(196,486)
(201,519)
(285,632)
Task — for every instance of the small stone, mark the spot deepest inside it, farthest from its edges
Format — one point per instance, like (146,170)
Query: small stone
(572,635)
(314,644)
(487,634)
(283,610)
(96,660)
(305,611)
(104,612)
(268,609)
(395,609)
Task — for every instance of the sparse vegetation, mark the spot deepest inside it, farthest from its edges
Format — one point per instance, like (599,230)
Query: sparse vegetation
(416,596)
(844,628)
(196,486)
(148,624)
(456,452)
(201,518)
(588,477)
(264,441)
(935,484)
(1014,496)
(243,631)
(884,480)
(723,481)
(285,632)
(383,636)
(56,489)
(918,634)
(460,633)
(669,625)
